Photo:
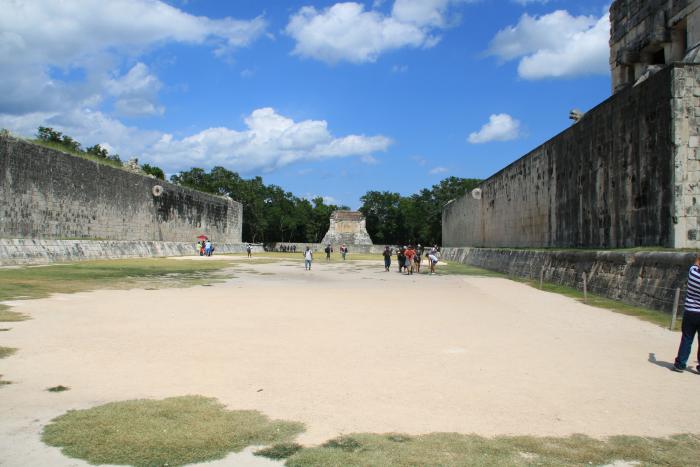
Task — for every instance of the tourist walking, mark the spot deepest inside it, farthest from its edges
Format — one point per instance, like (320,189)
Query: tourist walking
(410,253)
(249,249)
(308,257)
(343,251)
(387,258)
(691,318)
(417,258)
(207,248)
(199,247)
(401,258)
(328,251)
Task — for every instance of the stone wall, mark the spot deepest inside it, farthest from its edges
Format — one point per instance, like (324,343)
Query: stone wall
(650,33)
(647,279)
(52,195)
(43,251)
(347,227)
(605,182)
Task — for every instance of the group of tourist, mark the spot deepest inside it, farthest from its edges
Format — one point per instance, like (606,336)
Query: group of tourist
(409,258)
(204,247)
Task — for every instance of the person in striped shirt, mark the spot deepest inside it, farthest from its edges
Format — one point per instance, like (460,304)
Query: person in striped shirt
(691,318)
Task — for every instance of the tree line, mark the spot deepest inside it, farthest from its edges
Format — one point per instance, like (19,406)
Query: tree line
(271,214)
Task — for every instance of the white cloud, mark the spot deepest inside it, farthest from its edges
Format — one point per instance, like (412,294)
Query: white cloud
(136,92)
(555,45)
(348,32)
(43,40)
(438,170)
(500,127)
(399,68)
(269,142)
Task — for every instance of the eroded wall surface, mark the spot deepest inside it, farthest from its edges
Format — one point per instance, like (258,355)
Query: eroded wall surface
(605,182)
(52,195)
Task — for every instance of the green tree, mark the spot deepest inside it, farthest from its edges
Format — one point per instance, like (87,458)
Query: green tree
(153,170)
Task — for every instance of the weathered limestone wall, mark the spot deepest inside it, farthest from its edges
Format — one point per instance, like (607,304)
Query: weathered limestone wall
(52,195)
(43,251)
(347,227)
(685,107)
(605,182)
(652,33)
(647,279)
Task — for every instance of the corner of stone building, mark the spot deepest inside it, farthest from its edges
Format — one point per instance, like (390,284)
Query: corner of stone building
(685,140)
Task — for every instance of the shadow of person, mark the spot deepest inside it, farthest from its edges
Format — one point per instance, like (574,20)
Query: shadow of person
(662,364)
(669,365)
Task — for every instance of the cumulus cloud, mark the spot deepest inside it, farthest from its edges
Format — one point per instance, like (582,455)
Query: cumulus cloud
(136,92)
(270,141)
(43,40)
(500,127)
(555,45)
(348,32)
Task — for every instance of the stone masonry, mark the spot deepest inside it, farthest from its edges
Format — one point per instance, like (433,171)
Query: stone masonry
(347,227)
(628,173)
(648,34)
(48,194)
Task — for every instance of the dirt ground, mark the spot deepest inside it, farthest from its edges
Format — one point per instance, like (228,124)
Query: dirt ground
(348,348)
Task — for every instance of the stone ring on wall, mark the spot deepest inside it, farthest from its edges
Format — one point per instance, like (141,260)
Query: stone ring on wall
(157,190)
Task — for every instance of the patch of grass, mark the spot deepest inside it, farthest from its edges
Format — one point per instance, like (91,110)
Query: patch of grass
(7,351)
(279,451)
(461,269)
(7,315)
(82,155)
(59,388)
(473,450)
(174,431)
(39,282)
(4,382)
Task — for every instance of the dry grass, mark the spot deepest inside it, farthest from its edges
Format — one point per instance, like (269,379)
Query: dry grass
(174,431)
(42,281)
(7,315)
(472,450)
(6,351)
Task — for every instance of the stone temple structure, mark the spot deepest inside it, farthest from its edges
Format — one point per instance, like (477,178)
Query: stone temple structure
(347,227)
(627,173)
(649,34)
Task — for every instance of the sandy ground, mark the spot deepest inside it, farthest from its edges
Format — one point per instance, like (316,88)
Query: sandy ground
(347,348)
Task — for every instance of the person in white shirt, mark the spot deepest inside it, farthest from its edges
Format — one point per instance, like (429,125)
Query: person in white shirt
(308,257)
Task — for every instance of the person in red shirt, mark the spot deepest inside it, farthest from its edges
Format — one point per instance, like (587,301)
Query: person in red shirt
(410,253)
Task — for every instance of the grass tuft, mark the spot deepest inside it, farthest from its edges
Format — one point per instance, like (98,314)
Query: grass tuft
(344,443)
(279,451)
(59,388)
(7,351)
(473,450)
(7,315)
(174,431)
(4,382)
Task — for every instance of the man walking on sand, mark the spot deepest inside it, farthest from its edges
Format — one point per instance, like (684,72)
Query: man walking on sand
(691,318)
(308,257)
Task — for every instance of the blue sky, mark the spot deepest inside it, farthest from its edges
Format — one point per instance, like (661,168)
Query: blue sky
(320,97)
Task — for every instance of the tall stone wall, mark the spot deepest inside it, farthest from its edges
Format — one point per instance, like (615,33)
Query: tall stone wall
(605,182)
(52,195)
